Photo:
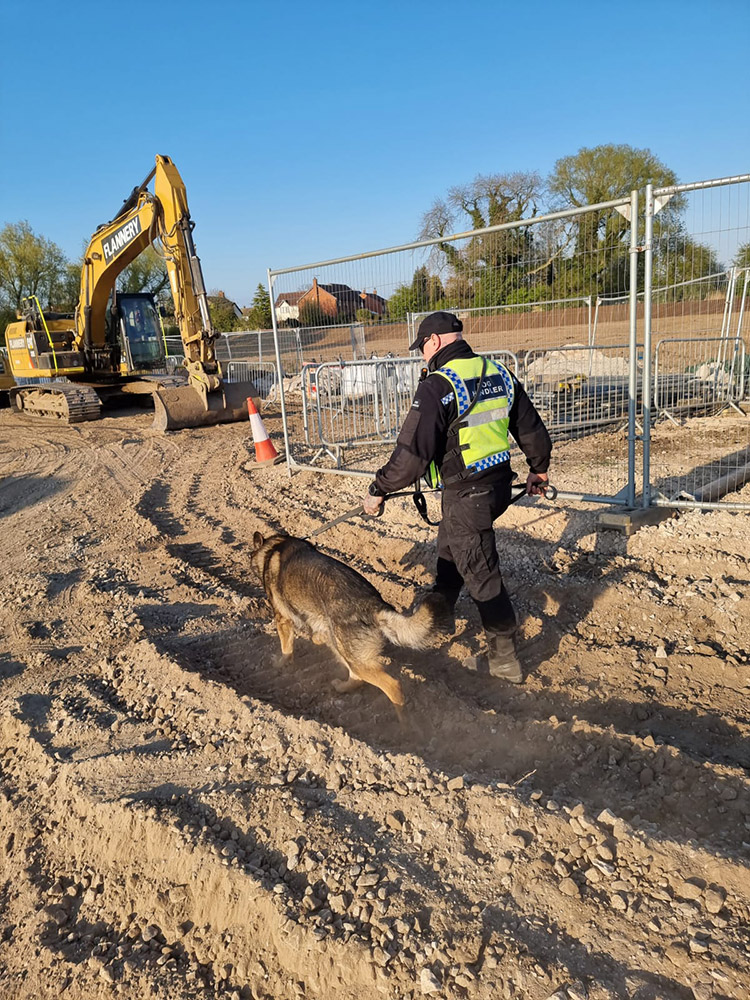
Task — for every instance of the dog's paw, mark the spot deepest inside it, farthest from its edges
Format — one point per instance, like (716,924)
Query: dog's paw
(345,686)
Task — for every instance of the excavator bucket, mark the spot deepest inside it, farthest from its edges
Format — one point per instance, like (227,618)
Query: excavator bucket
(188,407)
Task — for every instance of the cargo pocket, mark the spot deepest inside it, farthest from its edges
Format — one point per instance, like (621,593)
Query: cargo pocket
(481,574)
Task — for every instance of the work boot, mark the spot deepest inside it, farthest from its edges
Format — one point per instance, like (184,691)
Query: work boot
(503,662)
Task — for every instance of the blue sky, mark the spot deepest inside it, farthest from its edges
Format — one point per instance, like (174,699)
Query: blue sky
(308,131)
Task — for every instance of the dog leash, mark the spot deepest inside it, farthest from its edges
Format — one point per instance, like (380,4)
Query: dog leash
(340,519)
(358,510)
(420,503)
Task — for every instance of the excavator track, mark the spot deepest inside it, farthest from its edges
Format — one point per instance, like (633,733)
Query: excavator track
(61,401)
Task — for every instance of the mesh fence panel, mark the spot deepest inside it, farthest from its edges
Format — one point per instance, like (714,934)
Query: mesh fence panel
(525,290)
(698,447)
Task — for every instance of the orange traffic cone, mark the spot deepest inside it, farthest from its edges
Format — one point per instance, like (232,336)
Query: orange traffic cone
(265,453)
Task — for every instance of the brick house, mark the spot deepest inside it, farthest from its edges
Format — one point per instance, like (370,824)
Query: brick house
(375,303)
(340,302)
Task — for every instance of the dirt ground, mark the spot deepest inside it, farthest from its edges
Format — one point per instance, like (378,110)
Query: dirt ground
(181,817)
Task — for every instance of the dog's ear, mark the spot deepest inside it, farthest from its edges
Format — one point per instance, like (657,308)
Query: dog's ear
(257,541)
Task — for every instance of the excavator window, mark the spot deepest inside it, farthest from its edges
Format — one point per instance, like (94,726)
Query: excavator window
(140,325)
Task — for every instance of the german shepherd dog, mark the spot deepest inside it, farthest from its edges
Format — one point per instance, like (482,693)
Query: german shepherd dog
(314,592)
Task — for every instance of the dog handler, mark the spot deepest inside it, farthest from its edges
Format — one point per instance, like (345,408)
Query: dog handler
(456,434)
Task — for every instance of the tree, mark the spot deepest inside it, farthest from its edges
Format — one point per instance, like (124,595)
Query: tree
(259,316)
(583,255)
(64,296)
(29,265)
(223,312)
(488,200)
(742,257)
(223,316)
(599,262)
(7,315)
(147,273)
(606,173)
(684,268)
(493,263)
(424,294)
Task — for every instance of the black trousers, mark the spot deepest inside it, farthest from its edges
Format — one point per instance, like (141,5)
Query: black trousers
(467,554)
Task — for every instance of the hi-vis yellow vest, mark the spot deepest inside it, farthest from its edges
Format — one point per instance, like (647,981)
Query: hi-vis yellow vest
(483,433)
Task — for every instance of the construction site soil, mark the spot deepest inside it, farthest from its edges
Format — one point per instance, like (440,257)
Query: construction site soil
(182,816)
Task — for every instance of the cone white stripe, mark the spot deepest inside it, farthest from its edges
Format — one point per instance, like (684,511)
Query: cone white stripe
(258,428)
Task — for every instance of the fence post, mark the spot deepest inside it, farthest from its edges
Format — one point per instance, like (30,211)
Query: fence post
(741,387)
(646,374)
(280,372)
(633,366)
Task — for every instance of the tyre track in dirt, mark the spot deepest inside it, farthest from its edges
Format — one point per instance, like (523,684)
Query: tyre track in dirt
(312,668)
(585,830)
(517,926)
(599,764)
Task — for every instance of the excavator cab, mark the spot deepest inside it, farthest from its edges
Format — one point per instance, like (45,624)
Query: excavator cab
(140,338)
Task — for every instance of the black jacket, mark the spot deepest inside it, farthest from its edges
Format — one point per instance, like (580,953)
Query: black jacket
(424,433)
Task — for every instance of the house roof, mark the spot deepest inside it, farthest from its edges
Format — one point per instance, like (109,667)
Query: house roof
(291,298)
(374,302)
(343,293)
(221,299)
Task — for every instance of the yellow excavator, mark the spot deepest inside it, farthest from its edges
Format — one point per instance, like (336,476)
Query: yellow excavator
(64,367)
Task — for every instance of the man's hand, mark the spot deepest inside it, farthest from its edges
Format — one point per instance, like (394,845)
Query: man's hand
(536,483)
(371,505)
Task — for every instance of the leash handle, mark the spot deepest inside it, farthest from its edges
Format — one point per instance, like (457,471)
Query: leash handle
(550,493)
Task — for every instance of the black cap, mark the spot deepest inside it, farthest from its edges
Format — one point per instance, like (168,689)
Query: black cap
(438,322)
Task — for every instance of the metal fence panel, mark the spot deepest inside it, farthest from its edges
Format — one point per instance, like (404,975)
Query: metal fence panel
(542,321)
(360,402)
(261,373)
(350,403)
(698,376)
(518,287)
(695,331)
(579,388)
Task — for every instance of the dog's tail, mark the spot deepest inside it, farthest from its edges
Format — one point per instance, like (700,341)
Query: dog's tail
(418,629)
